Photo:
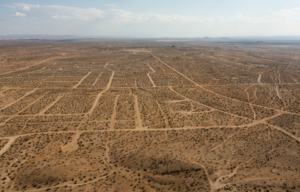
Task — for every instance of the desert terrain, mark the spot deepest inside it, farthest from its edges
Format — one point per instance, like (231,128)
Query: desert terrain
(146,116)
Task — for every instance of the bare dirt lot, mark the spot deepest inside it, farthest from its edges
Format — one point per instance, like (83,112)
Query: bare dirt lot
(144,116)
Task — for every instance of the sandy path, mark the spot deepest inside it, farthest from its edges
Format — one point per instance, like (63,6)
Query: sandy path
(148,74)
(259,78)
(25,125)
(186,113)
(206,172)
(105,66)
(73,145)
(30,103)
(156,129)
(100,94)
(138,50)
(35,71)
(110,80)
(163,114)
(139,124)
(8,144)
(75,86)
(277,81)
(30,66)
(106,158)
(284,131)
(205,85)
(255,95)
(295,80)
(24,167)
(263,121)
(40,113)
(58,114)
(279,96)
(263,178)
(176,71)
(217,93)
(255,122)
(176,101)
(162,69)
(218,185)
(15,115)
(153,71)
(278,76)
(84,120)
(26,94)
(212,184)
(153,84)
(50,105)
(246,84)
(250,104)
(188,99)
(113,117)
(97,78)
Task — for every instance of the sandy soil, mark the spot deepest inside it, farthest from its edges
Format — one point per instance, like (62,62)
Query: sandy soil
(195,117)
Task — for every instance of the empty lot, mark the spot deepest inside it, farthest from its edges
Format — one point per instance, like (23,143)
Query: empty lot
(145,116)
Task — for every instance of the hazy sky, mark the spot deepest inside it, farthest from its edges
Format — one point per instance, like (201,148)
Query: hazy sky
(151,18)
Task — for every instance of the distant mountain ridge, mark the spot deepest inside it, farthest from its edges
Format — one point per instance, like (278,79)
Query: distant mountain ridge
(261,43)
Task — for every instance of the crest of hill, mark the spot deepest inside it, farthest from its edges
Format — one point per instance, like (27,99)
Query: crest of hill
(261,43)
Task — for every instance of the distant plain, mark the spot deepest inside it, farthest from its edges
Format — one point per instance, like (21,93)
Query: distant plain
(137,115)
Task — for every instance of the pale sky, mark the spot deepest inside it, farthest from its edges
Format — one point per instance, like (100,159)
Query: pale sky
(152,18)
